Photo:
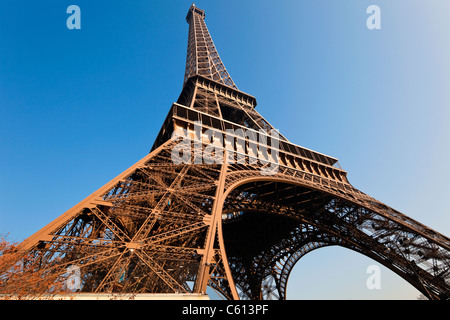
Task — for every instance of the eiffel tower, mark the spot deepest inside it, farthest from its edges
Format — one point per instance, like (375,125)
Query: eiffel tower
(179,221)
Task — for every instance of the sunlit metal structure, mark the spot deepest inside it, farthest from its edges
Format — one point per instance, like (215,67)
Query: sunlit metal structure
(168,227)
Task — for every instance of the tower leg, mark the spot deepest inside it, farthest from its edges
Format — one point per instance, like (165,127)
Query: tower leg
(214,265)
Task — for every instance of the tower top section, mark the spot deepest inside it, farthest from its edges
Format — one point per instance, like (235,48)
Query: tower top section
(194,10)
(202,56)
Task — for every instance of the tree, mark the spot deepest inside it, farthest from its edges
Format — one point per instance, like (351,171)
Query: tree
(23,276)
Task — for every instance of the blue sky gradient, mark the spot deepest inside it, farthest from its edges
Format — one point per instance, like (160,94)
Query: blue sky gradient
(78,107)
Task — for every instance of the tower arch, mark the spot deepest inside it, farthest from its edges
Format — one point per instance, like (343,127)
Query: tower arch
(322,218)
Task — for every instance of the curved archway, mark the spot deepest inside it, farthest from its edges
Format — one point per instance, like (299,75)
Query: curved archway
(338,273)
(251,203)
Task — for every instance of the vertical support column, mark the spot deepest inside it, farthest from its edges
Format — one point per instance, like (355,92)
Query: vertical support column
(214,230)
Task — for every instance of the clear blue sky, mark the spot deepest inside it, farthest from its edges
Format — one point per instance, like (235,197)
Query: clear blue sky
(77,107)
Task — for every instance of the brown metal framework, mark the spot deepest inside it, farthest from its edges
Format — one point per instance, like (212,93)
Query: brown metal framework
(163,227)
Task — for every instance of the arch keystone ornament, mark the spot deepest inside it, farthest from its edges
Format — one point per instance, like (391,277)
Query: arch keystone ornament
(166,227)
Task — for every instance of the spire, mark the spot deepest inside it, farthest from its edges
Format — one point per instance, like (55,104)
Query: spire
(202,56)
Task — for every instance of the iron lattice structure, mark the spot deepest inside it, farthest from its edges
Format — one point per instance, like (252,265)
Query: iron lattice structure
(165,227)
